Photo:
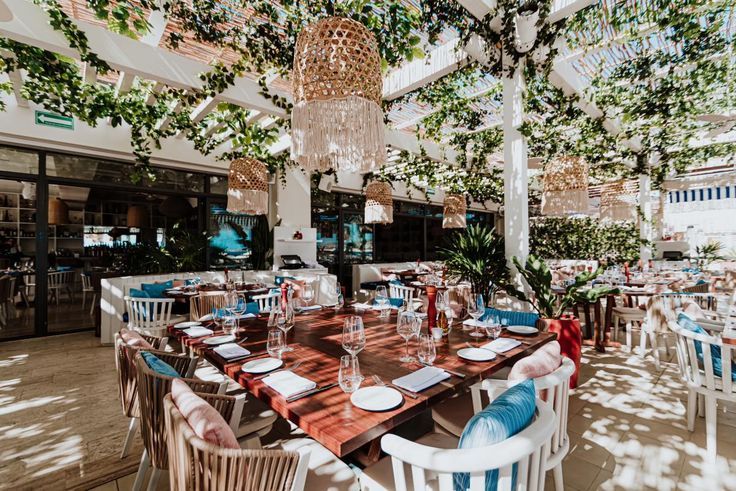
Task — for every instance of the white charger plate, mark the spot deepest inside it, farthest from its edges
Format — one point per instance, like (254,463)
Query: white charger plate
(476,354)
(214,340)
(186,325)
(376,398)
(262,365)
(527,330)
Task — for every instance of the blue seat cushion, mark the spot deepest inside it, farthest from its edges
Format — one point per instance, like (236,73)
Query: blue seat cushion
(158,365)
(395,282)
(393,301)
(252,308)
(514,318)
(136,293)
(503,418)
(280,279)
(156,290)
(684,321)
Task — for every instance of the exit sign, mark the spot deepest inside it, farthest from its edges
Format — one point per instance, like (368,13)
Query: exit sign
(44,118)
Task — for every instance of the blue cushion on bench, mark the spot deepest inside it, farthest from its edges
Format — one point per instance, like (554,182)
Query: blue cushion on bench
(684,321)
(514,318)
(156,290)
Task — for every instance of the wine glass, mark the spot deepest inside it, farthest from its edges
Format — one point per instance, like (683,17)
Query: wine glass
(275,343)
(353,335)
(406,328)
(230,324)
(285,321)
(493,329)
(218,317)
(349,376)
(426,350)
(340,299)
(441,301)
(307,294)
(476,309)
(382,301)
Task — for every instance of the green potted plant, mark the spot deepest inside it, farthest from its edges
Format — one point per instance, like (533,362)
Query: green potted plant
(551,306)
(477,256)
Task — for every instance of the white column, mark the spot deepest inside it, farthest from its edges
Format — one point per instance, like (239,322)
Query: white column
(645,222)
(293,203)
(515,186)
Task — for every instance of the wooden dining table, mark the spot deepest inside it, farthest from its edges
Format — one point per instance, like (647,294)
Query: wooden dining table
(328,416)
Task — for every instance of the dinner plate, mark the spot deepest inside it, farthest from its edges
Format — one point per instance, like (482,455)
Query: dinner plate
(476,354)
(228,338)
(262,365)
(376,398)
(522,329)
(185,325)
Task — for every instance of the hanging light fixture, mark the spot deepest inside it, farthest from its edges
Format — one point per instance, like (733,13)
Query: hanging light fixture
(137,216)
(619,201)
(247,190)
(379,205)
(58,212)
(454,211)
(337,120)
(565,186)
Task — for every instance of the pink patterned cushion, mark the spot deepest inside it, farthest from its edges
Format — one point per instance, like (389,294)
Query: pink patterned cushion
(134,339)
(204,420)
(540,363)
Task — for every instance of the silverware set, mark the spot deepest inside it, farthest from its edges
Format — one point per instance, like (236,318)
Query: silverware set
(380,382)
(294,366)
(310,392)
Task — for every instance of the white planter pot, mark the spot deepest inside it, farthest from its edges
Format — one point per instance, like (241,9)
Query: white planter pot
(481,52)
(526,31)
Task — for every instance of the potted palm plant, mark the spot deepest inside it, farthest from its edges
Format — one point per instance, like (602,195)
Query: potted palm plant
(551,306)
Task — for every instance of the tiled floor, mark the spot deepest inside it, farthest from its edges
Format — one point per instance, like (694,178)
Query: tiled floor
(61,427)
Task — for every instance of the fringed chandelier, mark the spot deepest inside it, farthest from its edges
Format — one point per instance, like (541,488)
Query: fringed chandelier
(379,205)
(454,211)
(247,190)
(565,186)
(337,120)
(619,200)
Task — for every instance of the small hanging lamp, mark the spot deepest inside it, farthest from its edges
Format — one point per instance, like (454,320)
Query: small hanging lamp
(247,190)
(379,205)
(619,200)
(565,186)
(454,211)
(58,212)
(137,216)
(337,120)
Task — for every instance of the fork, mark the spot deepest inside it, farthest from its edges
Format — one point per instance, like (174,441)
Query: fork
(294,366)
(380,382)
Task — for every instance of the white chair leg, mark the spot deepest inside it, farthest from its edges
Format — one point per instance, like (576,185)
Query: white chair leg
(628,335)
(692,409)
(614,328)
(710,428)
(142,469)
(701,405)
(155,476)
(557,472)
(129,437)
(643,342)
(655,348)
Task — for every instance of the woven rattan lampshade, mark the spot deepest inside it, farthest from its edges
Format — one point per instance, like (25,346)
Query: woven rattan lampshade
(619,200)
(454,211)
(565,186)
(379,205)
(58,212)
(337,120)
(247,190)
(137,216)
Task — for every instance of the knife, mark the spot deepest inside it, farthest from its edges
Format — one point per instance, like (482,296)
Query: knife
(451,372)
(298,396)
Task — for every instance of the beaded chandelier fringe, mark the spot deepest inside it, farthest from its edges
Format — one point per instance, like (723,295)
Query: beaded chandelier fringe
(379,204)
(454,213)
(619,201)
(565,187)
(247,187)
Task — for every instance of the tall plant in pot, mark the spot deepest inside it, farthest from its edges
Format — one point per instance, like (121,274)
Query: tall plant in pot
(551,307)
(477,256)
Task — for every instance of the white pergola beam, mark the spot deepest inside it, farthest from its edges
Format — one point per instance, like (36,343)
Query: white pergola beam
(89,73)
(204,108)
(158,23)
(125,83)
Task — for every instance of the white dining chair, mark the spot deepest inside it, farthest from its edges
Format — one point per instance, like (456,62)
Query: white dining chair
(401,291)
(266,301)
(149,315)
(59,281)
(702,382)
(429,463)
(87,288)
(629,316)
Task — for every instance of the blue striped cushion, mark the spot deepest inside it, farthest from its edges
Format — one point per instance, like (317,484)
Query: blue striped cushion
(715,351)
(514,318)
(506,416)
(158,365)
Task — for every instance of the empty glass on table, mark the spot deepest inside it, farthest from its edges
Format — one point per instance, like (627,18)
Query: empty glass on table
(426,351)
(476,310)
(275,343)
(349,376)
(353,335)
(407,327)
(307,294)
(285,321)
(340,299)
(382,301)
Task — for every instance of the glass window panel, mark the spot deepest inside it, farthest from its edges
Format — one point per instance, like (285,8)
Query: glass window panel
(327,237)
(21,161)
(357,239)
(401,240)
(230,235)
(218,184)
(353,202)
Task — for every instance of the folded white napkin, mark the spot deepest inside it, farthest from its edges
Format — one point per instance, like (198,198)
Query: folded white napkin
(474,323)
(287,383)
(246,316)
(198,332)
(421,379)
(502,345)
(205,318)
(361,305)
(231,350)
(310,307)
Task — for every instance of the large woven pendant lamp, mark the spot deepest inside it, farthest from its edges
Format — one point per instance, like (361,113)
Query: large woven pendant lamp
(565,186)
(379,205)
(137,216)
(454,211)
(247,190)
(58,212)
(619,200)
(337,120)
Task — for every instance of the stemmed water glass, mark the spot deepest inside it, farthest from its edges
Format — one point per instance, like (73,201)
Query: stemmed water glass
(307,294)
(426,351)
(275,343)
(382,301)
(353,335)
(349,376)
(407,327)
(285,321)
(218,317)
(476,309)
(340,299)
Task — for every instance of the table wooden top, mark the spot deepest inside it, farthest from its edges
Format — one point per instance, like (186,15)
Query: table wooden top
(328,416)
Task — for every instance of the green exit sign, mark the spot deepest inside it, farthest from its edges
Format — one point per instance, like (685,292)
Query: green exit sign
(44,118)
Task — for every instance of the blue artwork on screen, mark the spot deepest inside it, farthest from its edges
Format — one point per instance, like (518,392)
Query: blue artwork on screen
(228,240)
